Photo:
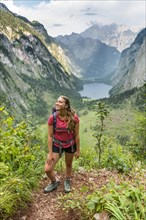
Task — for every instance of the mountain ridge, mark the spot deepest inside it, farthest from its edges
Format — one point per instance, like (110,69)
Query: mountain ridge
(92,58)
(130,72)
(34,64)
(118,36)
(28,66)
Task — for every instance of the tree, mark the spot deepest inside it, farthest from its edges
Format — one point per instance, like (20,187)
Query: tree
(102,112)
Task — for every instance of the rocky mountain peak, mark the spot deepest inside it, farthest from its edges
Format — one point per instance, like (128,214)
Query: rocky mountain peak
(119,36)
(39,27)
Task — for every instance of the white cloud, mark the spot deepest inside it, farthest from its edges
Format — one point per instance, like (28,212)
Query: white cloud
(10,5)
(65,17)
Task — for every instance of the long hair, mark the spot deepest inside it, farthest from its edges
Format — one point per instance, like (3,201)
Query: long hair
(70,114)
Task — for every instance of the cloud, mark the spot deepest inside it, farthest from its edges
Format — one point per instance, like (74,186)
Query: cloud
(85,10)
(65,17)
(10,5)
(29,3)
(57,25)
(90,13)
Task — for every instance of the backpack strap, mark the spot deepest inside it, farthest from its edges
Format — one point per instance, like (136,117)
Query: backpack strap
(54,121)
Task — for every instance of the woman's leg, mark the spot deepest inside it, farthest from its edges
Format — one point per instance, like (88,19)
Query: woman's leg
(68,161)
(49,167)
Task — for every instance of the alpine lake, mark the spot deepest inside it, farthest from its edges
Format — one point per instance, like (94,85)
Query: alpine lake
(95,90)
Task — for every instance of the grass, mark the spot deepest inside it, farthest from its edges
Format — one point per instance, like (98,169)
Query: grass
(120,123)
(86,132)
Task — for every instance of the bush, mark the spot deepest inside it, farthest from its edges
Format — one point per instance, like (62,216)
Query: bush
(22,160)
(121,202)
(116,158)
(137,143)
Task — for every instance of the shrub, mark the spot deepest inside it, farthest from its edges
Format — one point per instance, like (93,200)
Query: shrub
(22,159)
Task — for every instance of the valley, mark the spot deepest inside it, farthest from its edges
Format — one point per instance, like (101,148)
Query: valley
(102,71)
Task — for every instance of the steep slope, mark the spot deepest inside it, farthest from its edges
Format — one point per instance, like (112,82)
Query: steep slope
(91,58)
(118,36)
(29,70)
(52,46)
(131,71)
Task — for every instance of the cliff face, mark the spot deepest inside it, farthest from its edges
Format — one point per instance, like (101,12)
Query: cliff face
(90,57)
(131,71)
(32,65)
(118,36)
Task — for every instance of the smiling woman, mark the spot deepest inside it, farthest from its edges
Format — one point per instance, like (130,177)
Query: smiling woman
(63,137)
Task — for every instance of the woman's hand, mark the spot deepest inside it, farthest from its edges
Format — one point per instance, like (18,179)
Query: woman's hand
(77,154)
(50,158)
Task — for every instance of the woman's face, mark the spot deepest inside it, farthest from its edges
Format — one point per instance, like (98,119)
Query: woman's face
(60,104)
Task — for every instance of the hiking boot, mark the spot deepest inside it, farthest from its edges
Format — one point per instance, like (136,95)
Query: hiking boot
(52,186)
(67,185)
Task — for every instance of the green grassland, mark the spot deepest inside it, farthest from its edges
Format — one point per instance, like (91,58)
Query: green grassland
(120,123)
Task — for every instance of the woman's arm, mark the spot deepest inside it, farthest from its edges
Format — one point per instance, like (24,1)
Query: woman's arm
(77,140)
(50,143)
(50,138)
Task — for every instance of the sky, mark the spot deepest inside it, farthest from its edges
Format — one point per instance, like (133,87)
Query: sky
(61,17)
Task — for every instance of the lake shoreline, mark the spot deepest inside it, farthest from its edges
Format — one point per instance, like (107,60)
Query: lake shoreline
(104,81)
(95,90)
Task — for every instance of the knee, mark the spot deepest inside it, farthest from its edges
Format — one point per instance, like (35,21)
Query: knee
(48,169)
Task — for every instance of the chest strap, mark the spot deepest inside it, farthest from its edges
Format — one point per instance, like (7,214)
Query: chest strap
(62,129)
(54,124)
(61,142)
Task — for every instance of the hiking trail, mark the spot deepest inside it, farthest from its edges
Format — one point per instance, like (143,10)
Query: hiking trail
(46,206)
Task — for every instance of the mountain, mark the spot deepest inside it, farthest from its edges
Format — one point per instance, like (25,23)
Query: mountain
(4,8)
(35,67)
(32,66)
(91,58)
(118,36)
(131,70)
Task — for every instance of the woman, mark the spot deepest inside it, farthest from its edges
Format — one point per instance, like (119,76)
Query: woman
(63,138)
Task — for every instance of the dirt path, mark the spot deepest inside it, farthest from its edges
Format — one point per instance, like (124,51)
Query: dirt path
(45,206)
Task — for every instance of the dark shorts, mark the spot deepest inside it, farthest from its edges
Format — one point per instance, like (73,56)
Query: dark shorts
(71,149)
